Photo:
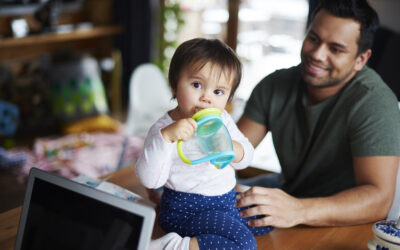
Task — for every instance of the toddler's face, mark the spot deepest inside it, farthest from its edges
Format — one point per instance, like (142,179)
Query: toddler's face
(209,87)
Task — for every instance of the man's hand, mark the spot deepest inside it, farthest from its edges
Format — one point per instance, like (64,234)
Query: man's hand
(370,200)
(278,208)
(180,130)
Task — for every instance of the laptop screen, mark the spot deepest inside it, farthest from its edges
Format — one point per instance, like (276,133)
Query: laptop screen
(61,218)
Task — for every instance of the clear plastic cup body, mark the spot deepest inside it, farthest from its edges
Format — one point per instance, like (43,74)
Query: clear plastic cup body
(211,138)
(212,141)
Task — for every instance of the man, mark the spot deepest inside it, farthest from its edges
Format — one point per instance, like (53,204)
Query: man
(335,127)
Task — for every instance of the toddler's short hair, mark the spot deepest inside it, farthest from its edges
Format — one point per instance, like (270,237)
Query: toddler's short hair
(196,53)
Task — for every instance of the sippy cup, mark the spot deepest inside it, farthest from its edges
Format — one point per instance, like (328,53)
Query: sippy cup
(212,141)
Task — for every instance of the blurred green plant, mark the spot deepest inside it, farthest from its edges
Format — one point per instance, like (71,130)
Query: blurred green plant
(171,23)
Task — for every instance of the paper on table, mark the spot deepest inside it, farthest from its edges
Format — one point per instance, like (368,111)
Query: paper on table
(107,187)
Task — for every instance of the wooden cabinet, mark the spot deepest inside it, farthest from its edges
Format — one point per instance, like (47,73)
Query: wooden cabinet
(97,40)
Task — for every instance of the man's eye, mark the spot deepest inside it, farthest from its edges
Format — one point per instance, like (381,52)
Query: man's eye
(218,92)
(196,85)
(336,50)
(312,39)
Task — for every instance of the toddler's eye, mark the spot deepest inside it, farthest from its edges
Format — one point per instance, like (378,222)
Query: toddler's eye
(218,92)
(197,85)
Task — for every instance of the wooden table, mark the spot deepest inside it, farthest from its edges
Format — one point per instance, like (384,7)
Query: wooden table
(300,237)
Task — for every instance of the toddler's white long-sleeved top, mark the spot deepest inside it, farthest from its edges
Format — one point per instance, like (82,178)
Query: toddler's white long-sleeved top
(159,165)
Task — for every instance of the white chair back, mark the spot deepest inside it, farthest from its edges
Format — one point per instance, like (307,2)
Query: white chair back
(149,99)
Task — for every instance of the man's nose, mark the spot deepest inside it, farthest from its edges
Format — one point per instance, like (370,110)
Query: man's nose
(319,53)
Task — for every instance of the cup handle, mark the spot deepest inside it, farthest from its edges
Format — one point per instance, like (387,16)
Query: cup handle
(180,153)
(188,161)
(221,166)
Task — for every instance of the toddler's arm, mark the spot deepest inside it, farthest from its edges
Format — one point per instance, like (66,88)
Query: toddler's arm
(244,150)
(181,130)
(239,151)
(153,166)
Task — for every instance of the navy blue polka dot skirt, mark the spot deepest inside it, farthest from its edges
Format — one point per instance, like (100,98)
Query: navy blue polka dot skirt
(214,220)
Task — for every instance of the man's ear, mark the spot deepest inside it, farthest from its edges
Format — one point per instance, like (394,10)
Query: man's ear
(362,59)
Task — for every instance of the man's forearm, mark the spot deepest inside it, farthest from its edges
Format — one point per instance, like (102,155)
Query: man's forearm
(359,205)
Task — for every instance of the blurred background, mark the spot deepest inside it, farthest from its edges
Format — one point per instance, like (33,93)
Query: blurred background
(66,67)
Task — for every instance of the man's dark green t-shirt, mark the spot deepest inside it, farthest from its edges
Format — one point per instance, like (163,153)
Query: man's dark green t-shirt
(316,144)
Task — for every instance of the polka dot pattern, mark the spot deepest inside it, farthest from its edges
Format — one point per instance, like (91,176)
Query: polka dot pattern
(214,220)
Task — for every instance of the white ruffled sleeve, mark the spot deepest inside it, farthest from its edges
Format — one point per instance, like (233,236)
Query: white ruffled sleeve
(154,165)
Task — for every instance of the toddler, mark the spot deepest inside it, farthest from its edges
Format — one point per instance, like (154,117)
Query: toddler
(198,202)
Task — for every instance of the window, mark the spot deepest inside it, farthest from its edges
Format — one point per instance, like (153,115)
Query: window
(269,37)
(270,33)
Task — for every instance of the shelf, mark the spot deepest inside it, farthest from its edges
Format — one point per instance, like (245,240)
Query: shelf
(60,37)
(34,45)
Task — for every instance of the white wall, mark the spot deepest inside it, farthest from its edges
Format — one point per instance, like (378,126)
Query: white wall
(389,13)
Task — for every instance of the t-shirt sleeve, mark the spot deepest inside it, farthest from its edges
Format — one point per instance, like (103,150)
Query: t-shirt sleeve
(271,95)
(257,105)
(374,127)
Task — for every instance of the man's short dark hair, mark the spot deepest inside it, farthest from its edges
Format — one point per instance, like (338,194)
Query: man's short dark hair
(359,10)
(195,53)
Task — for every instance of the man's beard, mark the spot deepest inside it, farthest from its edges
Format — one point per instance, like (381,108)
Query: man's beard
(327,84)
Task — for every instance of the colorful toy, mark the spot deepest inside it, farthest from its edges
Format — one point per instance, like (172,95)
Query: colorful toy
(9,114)
(212,141)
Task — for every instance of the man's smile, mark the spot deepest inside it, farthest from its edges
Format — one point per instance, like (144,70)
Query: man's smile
(314,69)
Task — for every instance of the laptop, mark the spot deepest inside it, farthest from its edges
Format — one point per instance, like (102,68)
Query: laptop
(59,213)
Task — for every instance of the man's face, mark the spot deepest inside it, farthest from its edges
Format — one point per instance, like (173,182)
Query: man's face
(329,51)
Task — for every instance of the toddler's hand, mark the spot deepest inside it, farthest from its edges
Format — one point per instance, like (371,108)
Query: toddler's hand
(179,130)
